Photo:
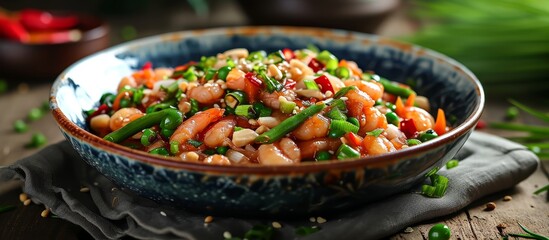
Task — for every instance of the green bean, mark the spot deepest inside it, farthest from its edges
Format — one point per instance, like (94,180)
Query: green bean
(168,117)
(346,152)
(288,125)
(160,151)
(393,88)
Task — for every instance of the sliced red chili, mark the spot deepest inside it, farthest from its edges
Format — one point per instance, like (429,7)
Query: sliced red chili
(288,54)
(147,65)
(354,140)
(315,65)
(408,127)
(13,30)
(324,83)
(104,108)
(253,79)
(289,84)
(34,19)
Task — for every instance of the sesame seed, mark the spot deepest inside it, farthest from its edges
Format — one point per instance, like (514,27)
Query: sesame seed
(45,213)
(163,213)
(320,220)
(312,219)
(208,219)
(227,235)
(507,198)
(27,202)
(23,197)
(409,230)
(114,202)
(113,189)
(344,98)
(277,225)
(84,189)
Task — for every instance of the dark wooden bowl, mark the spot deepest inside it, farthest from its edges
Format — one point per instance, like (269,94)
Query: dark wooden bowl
(43,62)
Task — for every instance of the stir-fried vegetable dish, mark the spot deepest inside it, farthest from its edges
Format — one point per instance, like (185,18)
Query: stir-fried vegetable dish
(284,107)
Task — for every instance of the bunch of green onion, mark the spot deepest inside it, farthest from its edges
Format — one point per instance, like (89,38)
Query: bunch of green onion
(504,42)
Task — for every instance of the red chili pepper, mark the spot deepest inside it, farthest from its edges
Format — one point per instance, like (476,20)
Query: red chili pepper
(104,108)
(289,84)
(288,54)
(253,79)
(13,30)
(34,19)
(354,140)
(315,65)
(481,124)
(147,65)
(408,127)
(324,83)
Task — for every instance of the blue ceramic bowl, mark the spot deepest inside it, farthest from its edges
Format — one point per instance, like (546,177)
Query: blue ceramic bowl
(259,190)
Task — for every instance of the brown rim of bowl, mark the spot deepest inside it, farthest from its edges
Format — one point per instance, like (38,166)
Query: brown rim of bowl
(305,167)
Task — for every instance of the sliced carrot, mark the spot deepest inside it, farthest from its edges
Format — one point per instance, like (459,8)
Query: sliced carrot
(440,123)
(116,102)
(400,108)
(354,140)
(411,100)
(353,67)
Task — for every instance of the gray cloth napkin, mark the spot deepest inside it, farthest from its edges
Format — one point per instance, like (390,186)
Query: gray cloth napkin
(55,175)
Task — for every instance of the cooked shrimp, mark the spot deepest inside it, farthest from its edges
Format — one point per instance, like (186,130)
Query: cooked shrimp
(358,102)
(422,119)
(195,124)
(217,159)
(208,93)
(124,116)
(280,153)
(299,70)
(162,73)
(393,134)
(373,119)
(373,145)
(311,147)
(100,124)
(373,89)
(272,100)
(127,81)
(219,134)
(235,79)
(314,127)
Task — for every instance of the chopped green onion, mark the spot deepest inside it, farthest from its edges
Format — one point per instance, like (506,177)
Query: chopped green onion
(323,156)
(107,98)
(223,72)
(511,113)
(338,103)
(37,140)
(235,98)
(160,106)
(194,143)
(207,62)
(277,57)
(237,128)
(263,110)
(412,142)
(304,231)
(148,137)
(395,89)
(160,151)
(167,133)
(174,147)
(35,114)
(452,164)
(256,56)
(375,132)
(222,149)
(289,124)
(427,135)
(20,126)
(343,91)
(3,86)
(338,128)
(346,152)
(125,102)
(190,74)
(230,62)
(392,118)
(336,114)
(261,232)
(210,73)
(354,121)
(245,111)
(287,106)
(209,151)
(271,83)
(343,72)
(438,186)
(194,108)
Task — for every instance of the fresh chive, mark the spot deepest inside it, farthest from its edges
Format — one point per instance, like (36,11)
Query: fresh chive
(287,106)
(336,114)
(531,111)
(262,110)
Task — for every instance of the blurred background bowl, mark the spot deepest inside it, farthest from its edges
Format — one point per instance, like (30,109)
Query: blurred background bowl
(44,61)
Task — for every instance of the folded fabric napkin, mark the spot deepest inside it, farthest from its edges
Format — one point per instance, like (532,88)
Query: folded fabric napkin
(55,175)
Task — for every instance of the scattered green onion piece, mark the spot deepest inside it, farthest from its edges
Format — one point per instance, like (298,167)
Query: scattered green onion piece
(160,151)
(107,98)
(325,56)
(412,142)
(237,128)
(261,232)
(223,72)
(207,62)
(137,96)
(346,152)
(20,126)
(230,62)
(35,114)
(390,106)
(209,151)
(222,149)
(194,143)
(427,135)
(331,66)
(194,108)
(167,133)
(277,57)
(452,164)
(7,208)
(245,111)
(304,231)
(235,98)
(543,189)
(375,132)
(336,114)
(289,124)
(338,128)
(210,73)
(370,77)
(438,186)
(262,110)
(427,190)
(344,91)
(256,56)
(125,102)
(343,72)
(354,121)
(338,103)
(174,147)
(392,118)
(37,140)
(148,137)
(313,48)
(511,113)
(271,83)
(394,88)
(323,156)
(3,86)
(146,121)
(287,106)
(190,74)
